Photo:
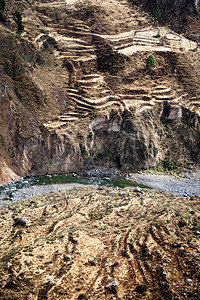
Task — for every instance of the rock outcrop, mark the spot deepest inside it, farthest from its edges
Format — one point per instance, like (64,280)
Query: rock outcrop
(191,6)
(188,6)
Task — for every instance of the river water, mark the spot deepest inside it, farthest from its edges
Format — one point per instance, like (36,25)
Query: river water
(186,185)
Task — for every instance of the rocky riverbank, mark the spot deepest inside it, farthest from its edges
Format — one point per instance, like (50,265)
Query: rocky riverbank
(35,190)
(184,185)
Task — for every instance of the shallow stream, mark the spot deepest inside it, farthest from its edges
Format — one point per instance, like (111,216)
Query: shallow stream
(185,186)
(33,185)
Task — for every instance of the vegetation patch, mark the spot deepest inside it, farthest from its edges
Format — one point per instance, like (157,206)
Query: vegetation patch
(151,62)
(51,41)
(17,17)
(168,164)
(111,62)
(2,10)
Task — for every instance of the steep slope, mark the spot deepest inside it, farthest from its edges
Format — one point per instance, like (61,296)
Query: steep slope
(181,16)
(190,6)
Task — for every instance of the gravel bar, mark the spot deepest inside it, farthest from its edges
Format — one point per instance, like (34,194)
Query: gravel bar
(36,190)
(185,185)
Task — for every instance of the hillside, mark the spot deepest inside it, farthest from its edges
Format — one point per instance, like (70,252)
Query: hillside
(76,91)
(100,243)
(103,88)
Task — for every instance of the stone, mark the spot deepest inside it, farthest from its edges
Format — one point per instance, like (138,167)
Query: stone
(116,263)
(8,265)
(93,261)
(167,260)
(148,252)
(51,282)
(164,275)
(175,245)
(188,281)
(3,284)
(112,286)
(68,257)
(137,189)
(141,288)
(175,113)
(21,222)
(100,188)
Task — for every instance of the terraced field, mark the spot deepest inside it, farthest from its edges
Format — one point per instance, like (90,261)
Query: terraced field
(82,38)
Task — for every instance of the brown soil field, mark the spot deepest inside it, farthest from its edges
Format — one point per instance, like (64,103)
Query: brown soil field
(95,242)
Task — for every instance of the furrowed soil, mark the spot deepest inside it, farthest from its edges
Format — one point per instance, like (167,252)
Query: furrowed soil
(101,243)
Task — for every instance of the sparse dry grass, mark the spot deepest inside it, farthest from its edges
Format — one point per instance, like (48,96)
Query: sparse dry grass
(150,240)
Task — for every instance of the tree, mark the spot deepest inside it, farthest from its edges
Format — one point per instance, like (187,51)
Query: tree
(2,9)
(151,62)
(18,20)
(157,12)
(2,5)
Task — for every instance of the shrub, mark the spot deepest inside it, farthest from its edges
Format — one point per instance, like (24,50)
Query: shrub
(141,288)
(111,62)
(158,35)
(1,16)
(51,41)
(18,20)
(45,45)
(168,164)
(2,5)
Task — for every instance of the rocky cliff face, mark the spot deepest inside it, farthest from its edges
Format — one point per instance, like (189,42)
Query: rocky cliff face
(192,6)
(181,16)
(120,140)
(188,6)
